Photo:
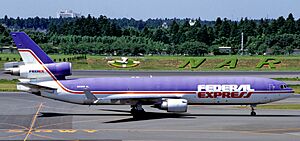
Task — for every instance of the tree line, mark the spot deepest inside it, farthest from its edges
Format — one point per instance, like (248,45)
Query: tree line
(101,35)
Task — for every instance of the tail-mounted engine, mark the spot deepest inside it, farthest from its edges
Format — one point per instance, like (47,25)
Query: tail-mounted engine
(31,71)
(12,68)
(60,70)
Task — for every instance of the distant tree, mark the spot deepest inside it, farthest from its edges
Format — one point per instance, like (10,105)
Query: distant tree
(225,29)
(185,27)
(160,35)
(202,35)
(194,48)
(298,26)
(289,25)
(124,36)
(217,26)
(2,29)
(280,25)
(174,28)
(276,50)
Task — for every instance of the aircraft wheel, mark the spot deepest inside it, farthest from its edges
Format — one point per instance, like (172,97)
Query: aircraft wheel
(132,110)
(137,111)
(253,113)
(137,114)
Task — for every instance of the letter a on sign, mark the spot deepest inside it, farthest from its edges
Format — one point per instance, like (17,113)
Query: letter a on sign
(231,63)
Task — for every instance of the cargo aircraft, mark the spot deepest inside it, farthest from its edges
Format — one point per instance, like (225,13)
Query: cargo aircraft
(40,75)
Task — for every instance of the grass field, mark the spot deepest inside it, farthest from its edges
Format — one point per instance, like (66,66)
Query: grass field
(287,79)
(8,85)
(274,106)
(296,88)
(245,63)
(280,106)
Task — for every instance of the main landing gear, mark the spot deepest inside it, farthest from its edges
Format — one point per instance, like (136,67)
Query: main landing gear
(137,110)
(253,113)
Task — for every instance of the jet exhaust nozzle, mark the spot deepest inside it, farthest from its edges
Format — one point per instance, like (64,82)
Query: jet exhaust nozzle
(12,71)
(12,68)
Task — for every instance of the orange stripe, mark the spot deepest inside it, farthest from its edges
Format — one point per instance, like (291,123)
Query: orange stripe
(165,92)
(53,77)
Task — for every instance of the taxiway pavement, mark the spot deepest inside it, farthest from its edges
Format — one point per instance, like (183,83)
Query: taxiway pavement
(124,73)
(29,117)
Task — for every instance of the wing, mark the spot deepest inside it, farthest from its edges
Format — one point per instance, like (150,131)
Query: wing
(131,98)
(142,96)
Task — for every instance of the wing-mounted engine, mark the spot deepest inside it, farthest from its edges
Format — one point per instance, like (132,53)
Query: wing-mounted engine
(38,71)
(173,105)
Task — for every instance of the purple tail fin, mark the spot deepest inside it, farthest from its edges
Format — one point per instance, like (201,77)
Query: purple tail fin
(24,42)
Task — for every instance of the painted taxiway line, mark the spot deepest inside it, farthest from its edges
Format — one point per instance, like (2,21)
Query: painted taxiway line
(268,131)
(46,133)
(33,122)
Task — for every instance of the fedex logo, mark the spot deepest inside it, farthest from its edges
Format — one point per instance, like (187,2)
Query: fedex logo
(36,71)
(224,91)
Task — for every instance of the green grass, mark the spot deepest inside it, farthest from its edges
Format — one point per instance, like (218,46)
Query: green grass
(275,106)
(287,79)
(8,85)
(280,106)
(245,63)
(296,88)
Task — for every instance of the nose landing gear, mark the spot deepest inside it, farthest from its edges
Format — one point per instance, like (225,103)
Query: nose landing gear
(253,113)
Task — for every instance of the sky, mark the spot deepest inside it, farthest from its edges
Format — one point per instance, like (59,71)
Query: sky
(145,9)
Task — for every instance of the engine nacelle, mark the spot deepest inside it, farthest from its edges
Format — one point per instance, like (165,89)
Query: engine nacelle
(60,69)
(12,65)
(30,71)
(12,68)
(174,105)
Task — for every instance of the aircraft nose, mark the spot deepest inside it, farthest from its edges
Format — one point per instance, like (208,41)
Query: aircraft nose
(290,89)
(284,86)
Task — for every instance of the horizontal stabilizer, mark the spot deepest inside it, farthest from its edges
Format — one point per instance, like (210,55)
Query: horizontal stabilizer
(35,86)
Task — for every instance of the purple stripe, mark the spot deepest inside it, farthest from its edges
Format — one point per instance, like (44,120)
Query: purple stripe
(175,83)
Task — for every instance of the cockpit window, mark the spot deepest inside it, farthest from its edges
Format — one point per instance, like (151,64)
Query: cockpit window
(283,86)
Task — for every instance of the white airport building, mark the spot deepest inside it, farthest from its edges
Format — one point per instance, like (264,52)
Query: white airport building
(67,14)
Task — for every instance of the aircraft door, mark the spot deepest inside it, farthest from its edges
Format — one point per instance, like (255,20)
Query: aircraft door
(271,87)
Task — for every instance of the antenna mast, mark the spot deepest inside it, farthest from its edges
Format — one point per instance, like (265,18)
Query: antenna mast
(242,43)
